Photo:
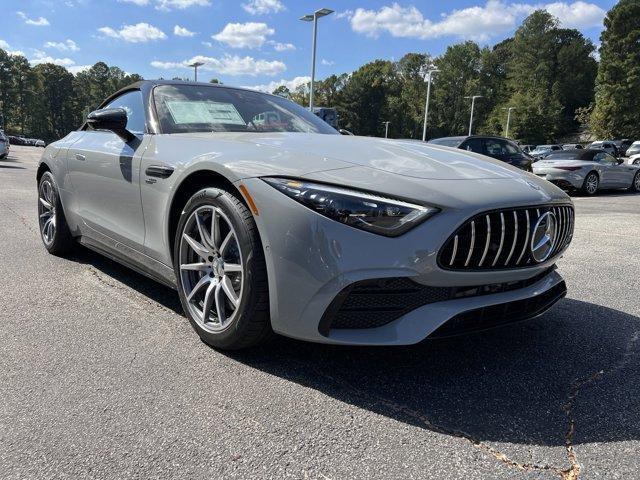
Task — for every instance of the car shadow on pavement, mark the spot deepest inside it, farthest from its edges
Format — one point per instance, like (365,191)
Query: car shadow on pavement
(110,271)
(523,383)
(520,384)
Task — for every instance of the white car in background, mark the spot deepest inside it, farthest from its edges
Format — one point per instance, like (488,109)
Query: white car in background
(4,145)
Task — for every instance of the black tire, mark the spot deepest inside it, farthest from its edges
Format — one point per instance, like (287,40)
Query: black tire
(250,324)
(587,186)
(635,185)
(60,242)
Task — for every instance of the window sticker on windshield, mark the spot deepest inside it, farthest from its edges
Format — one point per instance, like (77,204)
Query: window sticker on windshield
(185,112)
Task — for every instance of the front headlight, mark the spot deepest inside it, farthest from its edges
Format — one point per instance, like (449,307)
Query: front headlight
(365,211)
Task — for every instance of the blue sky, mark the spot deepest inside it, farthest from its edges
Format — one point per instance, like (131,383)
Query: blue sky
(261,42)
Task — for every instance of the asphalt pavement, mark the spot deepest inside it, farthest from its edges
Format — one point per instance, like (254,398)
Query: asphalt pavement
(101,377)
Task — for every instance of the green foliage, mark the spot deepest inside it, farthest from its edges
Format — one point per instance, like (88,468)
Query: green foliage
(47,101)
(617,101)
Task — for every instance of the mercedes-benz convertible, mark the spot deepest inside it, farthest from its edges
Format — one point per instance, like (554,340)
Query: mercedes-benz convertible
(265,219)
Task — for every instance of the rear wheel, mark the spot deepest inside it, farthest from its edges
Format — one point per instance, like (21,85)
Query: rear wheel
(635,186)
(221,272)
(591,183)
(54,230)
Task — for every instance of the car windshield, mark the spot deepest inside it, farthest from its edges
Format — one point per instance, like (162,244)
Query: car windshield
(447,141)
(195,108)
(543,148)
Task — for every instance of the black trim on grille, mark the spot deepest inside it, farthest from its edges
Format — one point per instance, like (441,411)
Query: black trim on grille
(374,303)
(501,239)
(501,314)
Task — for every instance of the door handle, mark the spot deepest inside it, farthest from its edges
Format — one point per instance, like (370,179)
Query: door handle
(80,157)
(160,171)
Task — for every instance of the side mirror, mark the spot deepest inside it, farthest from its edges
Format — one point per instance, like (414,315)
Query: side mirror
(345,132)
(620,161)
(114,119)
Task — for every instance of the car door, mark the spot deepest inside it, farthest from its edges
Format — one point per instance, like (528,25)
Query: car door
(104,170)
(622,173)
(609,175)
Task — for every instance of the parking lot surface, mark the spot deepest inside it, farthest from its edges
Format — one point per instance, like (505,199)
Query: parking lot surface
(102,377)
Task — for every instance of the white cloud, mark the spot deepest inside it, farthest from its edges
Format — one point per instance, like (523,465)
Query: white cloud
(345,14)
(5,46)
(167,5)
(207,44)
(66,46)
(140,32)
(38,22)
(42,57)
(290,84)
(326,63)
(282,47)
(244,35)
(182,31)
(228,65)
(259,7)
(75,69)
(479,22)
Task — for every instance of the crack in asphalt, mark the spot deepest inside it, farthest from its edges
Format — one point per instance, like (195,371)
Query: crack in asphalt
(128,292)
(26,222)
(571,473)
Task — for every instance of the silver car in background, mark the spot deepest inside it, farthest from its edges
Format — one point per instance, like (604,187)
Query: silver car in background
(542,151)
(4,145)
(588,171)
(270,222)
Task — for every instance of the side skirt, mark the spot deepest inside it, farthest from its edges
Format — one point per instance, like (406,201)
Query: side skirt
(132,259)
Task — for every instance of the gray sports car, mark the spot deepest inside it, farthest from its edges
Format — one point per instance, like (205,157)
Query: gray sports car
(588,171)
(266,220)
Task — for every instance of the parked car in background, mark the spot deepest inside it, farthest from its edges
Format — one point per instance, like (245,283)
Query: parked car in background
(588,171)
(4,145)
(572,146)
(606,145)
(40,143)
(634,149)
(496,147)
(541,151)
(527,148)
(634,159)
(622,146)
(329,115)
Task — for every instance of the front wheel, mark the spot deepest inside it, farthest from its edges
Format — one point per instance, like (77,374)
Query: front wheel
(590,185)
(221,271)
(635,186)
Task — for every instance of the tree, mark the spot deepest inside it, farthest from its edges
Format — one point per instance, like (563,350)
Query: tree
(617,97)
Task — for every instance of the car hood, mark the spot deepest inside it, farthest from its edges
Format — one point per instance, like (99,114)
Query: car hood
(301,153)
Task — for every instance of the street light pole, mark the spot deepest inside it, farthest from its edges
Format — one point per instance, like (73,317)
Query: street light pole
(506,130)
(195,66)
(313,17)
(386,129)
(473,104)
(426,106)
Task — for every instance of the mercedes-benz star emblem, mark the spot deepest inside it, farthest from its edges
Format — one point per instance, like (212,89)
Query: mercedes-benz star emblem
(544,237)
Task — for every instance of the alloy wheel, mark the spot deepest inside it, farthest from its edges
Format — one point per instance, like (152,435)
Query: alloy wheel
(636,182)
(47,211)
(592,184)
(211,268)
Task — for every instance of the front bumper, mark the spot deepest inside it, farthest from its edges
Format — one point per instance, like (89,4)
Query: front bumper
(312,259)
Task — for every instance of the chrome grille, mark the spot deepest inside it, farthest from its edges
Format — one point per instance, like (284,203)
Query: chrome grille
(501,239)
